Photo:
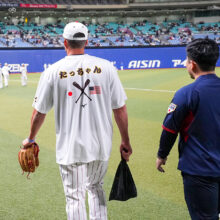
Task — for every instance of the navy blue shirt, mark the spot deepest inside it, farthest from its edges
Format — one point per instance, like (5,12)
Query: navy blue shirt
(195,114)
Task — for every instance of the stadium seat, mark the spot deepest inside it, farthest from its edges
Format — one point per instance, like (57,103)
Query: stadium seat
(108,34)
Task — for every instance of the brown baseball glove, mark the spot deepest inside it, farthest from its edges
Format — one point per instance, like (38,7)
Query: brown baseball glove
(28,158)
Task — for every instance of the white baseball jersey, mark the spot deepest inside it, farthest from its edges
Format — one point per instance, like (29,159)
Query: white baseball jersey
(1,84)
(5,70)
(83,89)
(23,70)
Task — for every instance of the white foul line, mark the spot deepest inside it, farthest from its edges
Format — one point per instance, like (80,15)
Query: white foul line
(151,90)
(28,81)
(137,89)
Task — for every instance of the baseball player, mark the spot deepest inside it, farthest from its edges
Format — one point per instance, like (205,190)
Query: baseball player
(195,114)
(1,83)
(5,72)
(45,66)
(23,70)
(83,90)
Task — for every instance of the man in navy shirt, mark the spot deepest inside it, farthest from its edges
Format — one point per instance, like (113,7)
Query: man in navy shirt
(194,113)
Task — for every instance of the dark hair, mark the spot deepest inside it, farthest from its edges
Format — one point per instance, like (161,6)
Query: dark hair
(205,52)
(77,43)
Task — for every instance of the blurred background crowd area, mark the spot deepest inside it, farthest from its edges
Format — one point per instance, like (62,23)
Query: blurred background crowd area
(111,23)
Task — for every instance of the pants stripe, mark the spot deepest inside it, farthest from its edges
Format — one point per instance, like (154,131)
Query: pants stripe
(82,191)
(79,178)
(77,186)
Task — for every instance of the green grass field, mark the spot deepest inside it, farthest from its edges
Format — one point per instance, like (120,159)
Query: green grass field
(160,195)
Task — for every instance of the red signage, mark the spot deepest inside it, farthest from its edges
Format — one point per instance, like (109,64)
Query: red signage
(37,6)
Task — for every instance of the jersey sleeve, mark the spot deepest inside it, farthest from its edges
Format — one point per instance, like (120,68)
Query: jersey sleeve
(118,96)
(43,100)
(176,113)
(167,141)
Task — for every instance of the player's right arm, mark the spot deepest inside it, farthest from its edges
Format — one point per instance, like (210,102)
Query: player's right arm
(36,123)
(43,102)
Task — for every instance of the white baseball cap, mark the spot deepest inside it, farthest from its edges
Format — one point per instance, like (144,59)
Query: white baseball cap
(72,29)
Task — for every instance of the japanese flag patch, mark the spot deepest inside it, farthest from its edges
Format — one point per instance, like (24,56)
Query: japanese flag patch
(171,108)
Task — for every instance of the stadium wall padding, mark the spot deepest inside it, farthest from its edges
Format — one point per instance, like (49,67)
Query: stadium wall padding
(37,60)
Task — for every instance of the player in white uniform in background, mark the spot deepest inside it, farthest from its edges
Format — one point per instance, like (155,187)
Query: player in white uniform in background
(1,77)
(5,72)
(83,90)
(45,66)
(23,70)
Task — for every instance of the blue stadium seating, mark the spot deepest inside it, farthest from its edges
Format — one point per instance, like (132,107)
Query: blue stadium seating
(108,34)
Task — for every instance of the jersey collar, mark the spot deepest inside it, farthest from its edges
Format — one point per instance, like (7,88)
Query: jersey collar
(207,76)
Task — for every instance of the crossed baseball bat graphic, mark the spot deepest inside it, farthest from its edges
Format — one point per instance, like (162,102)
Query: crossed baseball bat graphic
(82,89)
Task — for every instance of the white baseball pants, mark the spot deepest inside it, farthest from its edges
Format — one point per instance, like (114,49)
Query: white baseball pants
(23,79)
(6,77)
(1,83)
(79,178)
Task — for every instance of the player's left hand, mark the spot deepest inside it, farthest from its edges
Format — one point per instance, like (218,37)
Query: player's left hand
(159,163)
(126,150)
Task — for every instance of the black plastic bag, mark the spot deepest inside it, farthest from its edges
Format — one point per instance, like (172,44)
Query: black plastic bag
(123,187)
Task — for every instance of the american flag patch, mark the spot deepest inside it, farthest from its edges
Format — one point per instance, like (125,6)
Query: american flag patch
(94,90)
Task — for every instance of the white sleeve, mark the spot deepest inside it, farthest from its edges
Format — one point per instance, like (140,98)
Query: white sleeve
(118,95)
(43,100)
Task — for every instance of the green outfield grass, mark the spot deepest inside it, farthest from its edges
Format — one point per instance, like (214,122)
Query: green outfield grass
(160,195)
